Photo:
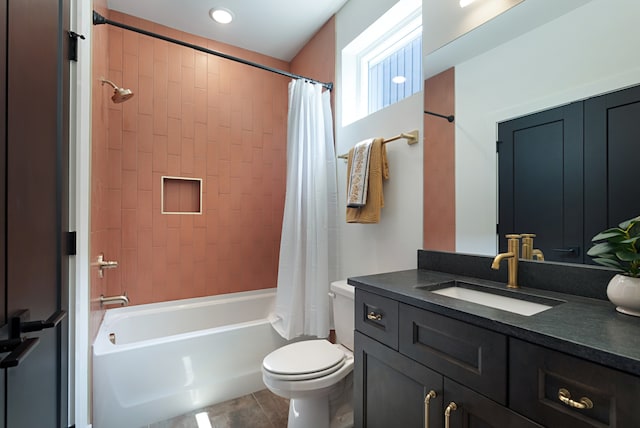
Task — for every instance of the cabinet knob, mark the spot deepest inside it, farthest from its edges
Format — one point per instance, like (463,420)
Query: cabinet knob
(374,316)
(447,412)
(427,398)
(565,397)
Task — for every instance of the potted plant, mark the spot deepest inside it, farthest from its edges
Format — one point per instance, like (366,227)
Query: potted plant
(619,248)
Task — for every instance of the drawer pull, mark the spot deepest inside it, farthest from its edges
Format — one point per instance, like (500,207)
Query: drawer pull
(565,397)
(431,394)
(447,412)
(373,316)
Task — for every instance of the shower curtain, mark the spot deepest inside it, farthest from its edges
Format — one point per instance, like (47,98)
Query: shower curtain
(308,244)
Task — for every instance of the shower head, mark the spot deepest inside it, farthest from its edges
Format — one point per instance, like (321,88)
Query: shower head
(119,94)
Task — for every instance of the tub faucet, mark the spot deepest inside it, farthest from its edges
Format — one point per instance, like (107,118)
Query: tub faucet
(123,300)
(512,258)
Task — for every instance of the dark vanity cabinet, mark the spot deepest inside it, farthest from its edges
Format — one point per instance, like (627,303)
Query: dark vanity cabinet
(416,368)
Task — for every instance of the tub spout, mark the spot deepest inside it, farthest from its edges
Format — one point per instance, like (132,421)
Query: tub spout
(123,300)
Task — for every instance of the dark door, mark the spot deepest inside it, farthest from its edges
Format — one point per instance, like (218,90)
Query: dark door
(390,389)
(540,181)
(33,203)
(4,334)
(612,151)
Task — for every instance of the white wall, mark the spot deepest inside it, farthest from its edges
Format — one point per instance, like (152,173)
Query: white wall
(587,52)
(391,244)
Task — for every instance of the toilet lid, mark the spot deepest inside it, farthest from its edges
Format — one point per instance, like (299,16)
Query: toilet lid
(310,357)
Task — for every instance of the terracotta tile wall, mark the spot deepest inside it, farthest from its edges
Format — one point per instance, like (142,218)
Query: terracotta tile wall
(439,164)
(193,115)
(317,59)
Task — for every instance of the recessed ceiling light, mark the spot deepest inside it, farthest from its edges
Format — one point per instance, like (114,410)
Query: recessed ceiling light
(399,79)
(465,3)
(221,15)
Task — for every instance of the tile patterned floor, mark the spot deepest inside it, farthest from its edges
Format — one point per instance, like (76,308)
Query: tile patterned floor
(261,409)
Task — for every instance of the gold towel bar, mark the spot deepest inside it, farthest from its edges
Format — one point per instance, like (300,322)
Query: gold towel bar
(411,137)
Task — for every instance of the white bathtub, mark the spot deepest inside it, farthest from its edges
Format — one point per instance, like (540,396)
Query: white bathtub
(173,357)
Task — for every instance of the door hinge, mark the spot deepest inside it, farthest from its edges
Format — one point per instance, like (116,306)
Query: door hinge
(498,146)
(73,45)
(71,243)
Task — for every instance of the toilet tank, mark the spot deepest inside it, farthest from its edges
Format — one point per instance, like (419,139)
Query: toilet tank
(343,312)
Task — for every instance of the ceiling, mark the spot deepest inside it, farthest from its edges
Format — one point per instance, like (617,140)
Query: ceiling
(280,28)
(277,28)
(465,33)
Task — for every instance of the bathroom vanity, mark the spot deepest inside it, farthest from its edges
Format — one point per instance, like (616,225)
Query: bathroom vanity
(425,359)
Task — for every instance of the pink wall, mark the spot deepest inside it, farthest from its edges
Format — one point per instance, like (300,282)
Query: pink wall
(193,115)
(317,59)
(439,164)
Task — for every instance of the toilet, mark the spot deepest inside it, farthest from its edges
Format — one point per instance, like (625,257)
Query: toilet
(316,375)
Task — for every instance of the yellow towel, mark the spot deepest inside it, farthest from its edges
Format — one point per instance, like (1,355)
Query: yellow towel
(378,169)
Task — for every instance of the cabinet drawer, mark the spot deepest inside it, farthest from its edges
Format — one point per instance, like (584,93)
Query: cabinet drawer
(537,375)
(377,317)
(468,354)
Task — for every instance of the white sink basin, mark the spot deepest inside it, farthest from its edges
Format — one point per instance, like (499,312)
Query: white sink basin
(518,306)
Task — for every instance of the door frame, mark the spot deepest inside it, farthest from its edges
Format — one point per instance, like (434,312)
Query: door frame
(79,209)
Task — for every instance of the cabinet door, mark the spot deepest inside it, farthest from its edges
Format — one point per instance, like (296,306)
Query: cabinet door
(473,410)
(390,389)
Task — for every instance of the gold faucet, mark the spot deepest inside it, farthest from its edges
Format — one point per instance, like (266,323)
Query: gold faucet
(528,252)
(512,256)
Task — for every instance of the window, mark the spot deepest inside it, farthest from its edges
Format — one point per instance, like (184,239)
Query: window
(395,76)
(383,65)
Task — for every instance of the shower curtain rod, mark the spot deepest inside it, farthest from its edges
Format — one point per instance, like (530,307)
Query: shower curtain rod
(99,19)
(450,118)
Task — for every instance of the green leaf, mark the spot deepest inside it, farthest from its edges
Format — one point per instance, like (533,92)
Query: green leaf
(601,248)
(609,233)
(626,256)
(632,221)
(609,263)
(630,240)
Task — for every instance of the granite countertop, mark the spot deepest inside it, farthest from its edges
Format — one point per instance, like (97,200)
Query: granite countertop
(584,327)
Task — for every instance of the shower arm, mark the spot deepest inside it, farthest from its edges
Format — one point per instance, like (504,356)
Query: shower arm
(115,87)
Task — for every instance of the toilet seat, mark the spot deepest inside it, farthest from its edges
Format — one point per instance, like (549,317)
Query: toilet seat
(304,360)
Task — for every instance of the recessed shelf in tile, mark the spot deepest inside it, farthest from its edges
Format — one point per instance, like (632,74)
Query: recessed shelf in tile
(181,195)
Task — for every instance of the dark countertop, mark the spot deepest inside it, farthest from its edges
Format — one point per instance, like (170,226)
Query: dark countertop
(584,327)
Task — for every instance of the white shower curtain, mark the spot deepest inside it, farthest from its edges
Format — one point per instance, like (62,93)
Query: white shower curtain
(308,243)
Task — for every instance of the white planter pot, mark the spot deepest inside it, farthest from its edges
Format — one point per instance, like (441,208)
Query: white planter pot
(624,292)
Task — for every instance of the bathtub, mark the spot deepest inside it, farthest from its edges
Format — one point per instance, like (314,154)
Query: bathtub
(173,357)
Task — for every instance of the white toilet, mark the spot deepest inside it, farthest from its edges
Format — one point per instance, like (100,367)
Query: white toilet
(316,375)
